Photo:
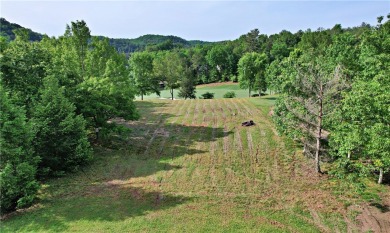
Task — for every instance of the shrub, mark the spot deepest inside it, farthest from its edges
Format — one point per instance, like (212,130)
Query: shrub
(208,95)
(234,78)
(229,94)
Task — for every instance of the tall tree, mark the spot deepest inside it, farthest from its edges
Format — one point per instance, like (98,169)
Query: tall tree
(170,67)
(252,41)
(80,35)
(218,59)
(311,91)
(251,68)
(23,66)
(141,65)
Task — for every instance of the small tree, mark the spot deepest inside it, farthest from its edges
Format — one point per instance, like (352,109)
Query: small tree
(187,88)
(61,139)
(18,166)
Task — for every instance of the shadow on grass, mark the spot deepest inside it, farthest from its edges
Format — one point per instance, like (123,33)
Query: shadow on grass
(106,204)
(122,183)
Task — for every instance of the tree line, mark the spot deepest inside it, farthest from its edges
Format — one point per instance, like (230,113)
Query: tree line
(334,97)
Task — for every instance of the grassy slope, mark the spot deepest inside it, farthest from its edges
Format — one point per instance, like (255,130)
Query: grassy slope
(190,166)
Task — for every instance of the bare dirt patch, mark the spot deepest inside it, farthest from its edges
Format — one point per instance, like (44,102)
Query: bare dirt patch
(373,218)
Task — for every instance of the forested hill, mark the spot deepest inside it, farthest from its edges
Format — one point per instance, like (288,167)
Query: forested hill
(6,30)
(152,43)
(146,42)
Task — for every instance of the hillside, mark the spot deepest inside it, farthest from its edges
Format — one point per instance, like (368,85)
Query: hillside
(6,30)
(152,42)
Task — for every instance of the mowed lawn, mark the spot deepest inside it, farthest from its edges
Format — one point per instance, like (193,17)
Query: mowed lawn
(189,166)
(219,89)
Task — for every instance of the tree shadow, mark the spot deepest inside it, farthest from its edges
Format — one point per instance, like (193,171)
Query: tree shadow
(109,202)
(105,190)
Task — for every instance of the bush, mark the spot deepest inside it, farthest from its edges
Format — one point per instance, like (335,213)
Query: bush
(234,78)
(208,95)
(229,94)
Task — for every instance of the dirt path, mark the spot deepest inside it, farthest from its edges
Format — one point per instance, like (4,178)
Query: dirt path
(372,219)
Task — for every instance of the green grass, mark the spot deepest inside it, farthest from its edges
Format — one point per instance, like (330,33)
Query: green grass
(189,166)
(219,90)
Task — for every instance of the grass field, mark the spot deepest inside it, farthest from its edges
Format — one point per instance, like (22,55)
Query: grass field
(189,166)
(219,89)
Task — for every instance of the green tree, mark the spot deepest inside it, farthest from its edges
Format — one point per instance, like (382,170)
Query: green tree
(108,96)
(187,87)
(141,65)
(218,60)
(80,34)
(23,66)
(251,68)
(310,93)
(363,136)
(18,166)
(61,138)
(170,67)
(199,64)
(252,41)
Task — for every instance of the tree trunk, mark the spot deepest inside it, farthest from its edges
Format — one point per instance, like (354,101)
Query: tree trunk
(249,91)
(319,132)
(96,128)
(171,93)
(380,176)
(349,154)
(142,96)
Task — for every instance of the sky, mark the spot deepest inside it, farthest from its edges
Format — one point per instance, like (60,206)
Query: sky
(208,20)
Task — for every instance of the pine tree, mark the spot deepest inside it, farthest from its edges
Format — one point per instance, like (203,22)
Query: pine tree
(18,185)
(61,138)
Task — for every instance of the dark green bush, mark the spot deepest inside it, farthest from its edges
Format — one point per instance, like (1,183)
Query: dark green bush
(229,94)
(208,95)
